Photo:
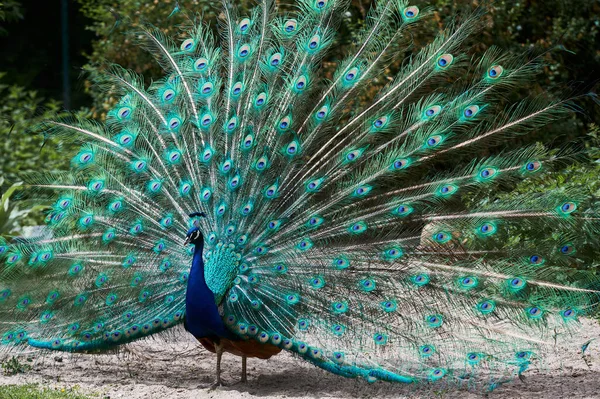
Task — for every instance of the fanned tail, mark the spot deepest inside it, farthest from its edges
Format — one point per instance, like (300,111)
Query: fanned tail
(330,231)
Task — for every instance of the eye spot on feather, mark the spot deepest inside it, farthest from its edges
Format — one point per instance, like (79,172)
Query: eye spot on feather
(567,249)
(340,307)
(568,314)
(338,357)
(442,237)
(261,99)
(200,64)
(534,312)
(533,166)
(168,95)
(305,244)
(280,268)
(188,45)
(292,299)
(302,348)
(486,229)
(473,358)
(314,185)
(487,173)
(567,208)
(434,321)
(437,374)
(536,260)
(403,210)
(410,13)
(341,263)
(392,253)
(4,294)
(244,51)
(389,306)
(358,228)
(23,302)
(338,329)
(275,59)
(322,112)
(237,88)
(523,356)
(351,75)
(468,283)
(367,285)
(244,25)
(290,26)
(444,61)
(124,112)
(380,339)
(207,88)
(495,72)
(426,350)
(432,111)
(301,83)
(303,324)
(447,190)
(517,284)
(52,297)
(471,111)
(434,141)
(12,259)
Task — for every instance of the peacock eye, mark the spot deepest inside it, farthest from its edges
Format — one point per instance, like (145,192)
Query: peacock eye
(471,111)
(244,25)
(200,64)
(444,61)
(495,72)
(290,26)
(187,45)
(410,13)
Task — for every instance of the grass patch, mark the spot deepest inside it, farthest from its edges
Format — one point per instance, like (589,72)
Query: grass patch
(14,366)
(33,391)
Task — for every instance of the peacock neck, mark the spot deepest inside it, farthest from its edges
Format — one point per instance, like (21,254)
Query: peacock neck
(197,270)
(197,289)
(202,315)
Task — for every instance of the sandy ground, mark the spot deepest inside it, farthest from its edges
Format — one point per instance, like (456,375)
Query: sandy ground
(181,369)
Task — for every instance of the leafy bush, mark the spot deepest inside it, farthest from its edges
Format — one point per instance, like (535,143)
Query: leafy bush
(115,43)
(21,150)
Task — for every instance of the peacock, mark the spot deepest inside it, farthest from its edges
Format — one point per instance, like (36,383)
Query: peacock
(348,217)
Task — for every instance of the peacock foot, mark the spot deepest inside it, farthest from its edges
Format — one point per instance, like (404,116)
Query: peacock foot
(217,384)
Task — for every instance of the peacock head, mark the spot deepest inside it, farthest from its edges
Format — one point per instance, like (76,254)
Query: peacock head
(194,235)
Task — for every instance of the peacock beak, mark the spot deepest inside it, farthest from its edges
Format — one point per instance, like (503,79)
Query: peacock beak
(187,241)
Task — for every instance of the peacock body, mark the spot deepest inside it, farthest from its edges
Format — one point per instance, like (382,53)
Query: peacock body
(319,221)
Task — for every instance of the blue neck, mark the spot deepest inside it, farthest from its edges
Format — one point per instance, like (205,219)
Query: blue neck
(202,317)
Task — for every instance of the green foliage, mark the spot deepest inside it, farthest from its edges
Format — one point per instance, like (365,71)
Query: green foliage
(115,45)
(32,391)
(14,366)
(12,217)
(22,150)
(10,10)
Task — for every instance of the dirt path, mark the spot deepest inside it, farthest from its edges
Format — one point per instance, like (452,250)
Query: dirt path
(180,369)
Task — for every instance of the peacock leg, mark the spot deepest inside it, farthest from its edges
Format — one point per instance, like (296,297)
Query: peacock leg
(244,377)
(219,352)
